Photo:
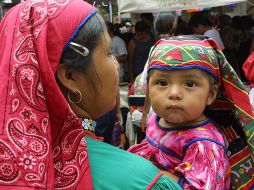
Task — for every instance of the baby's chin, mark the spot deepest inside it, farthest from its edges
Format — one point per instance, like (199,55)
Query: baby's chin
(170,123)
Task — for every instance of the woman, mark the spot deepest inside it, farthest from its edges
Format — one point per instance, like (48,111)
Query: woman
(138,49)
(56,67)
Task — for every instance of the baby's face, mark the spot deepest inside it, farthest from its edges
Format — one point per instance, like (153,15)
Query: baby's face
(179,96)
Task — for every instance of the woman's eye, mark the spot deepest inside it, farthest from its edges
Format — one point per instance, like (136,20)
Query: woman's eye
(190,84)
(162,83)
(110,54)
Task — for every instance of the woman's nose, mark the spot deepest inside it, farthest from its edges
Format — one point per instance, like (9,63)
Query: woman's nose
(175,93)
(116,64)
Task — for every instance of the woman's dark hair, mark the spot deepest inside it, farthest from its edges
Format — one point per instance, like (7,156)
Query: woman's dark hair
(182,28)
(199,18)
(110,27)
(165,23)
(88,36)
(225,20)
(140,26)
(147,16)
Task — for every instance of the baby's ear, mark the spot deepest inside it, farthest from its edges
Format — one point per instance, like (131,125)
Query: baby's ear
(213,94)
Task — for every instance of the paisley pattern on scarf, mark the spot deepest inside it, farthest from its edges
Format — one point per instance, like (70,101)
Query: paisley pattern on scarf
(37,151)
(186,52)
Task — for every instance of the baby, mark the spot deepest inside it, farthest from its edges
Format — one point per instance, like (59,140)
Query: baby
(184,77)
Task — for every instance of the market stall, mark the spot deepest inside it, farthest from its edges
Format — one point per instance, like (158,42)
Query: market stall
(140,6)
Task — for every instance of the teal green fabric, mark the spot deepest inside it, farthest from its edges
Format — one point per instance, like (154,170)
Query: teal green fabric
(165,183)
(115,169)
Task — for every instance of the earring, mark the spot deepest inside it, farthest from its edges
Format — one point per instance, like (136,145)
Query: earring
(75,102)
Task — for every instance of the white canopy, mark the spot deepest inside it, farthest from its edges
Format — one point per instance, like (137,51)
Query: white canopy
(141,6)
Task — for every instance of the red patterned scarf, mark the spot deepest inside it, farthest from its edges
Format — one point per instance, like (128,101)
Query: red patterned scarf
(190,52)
(41,140)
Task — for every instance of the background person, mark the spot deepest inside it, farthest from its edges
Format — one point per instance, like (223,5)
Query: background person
(106,123)
(200,24)
(138,49)
(248,68)
(230,40)
(165,24)
(246,41)
(118,49)
(148,19)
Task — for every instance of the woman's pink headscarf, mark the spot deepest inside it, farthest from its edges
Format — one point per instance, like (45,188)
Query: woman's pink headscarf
(41,140)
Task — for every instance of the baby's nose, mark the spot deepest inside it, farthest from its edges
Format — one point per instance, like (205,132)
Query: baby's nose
(175,93)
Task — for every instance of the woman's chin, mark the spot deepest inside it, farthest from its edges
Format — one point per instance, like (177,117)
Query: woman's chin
(109,108)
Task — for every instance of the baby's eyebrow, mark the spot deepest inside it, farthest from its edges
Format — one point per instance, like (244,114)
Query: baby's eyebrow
(186,75)
(191,76)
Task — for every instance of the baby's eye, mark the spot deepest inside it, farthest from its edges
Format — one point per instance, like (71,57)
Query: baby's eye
(190,84)
(162,83)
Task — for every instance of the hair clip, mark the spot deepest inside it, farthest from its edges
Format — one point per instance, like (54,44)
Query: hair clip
(82,50)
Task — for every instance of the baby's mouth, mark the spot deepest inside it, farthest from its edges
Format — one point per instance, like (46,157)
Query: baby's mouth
(176,107)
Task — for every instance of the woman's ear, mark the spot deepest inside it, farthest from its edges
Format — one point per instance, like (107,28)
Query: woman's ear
(213,94)
(66,77)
